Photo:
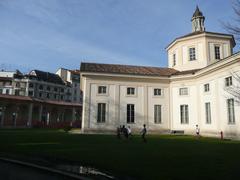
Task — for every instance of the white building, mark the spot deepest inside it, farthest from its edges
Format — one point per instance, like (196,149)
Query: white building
(190,92)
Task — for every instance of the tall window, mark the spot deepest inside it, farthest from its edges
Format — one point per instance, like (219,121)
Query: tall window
(184,114)
(183,91)
(228,81)
(217,52)
(231,113)
(192,54)
(130,113)
(130,91)
(174,59)
(102,89)
(157,113)
(206,88)
(157,92)
(101,116)
(208,112)
(7,91)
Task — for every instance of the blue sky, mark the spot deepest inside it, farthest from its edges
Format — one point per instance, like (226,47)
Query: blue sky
(48,34)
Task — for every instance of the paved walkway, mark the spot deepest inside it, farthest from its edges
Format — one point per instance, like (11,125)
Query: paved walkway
(10,171)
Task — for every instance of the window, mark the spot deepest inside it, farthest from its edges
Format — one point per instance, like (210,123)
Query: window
(130,91)
(228,81)
(31,85)
(231,113)
(30,93)
(7,91)
(183,91)
(174,59)
(1,91)
(206,88)
(130,113)
(157,114)
(101,116)
(157,92)
(55,89)
(62,97)
(102,90)
(192,54)
(40,95)
(17,92)
(217,52)
(41,87)
(62,90)
(48,95)
(208,112)
(184,114)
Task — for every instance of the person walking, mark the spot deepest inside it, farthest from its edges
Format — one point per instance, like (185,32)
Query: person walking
(129,131)
(197,131)
(144,132)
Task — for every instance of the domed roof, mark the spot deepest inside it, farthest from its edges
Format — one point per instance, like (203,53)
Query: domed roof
(197,13)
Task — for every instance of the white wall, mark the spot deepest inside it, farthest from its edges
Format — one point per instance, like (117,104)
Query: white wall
(205,53)
(117,100)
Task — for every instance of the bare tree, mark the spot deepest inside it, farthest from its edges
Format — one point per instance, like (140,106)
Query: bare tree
(234,27)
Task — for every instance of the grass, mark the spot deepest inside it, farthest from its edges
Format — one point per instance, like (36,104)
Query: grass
(162,157)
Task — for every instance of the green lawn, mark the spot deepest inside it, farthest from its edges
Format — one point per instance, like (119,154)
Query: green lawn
(162,157)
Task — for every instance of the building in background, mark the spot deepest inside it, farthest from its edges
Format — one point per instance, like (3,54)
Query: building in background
(39,99)
(72,79)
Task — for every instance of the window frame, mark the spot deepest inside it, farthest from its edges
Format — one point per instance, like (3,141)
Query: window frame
(157,90)
(130,113)
(192,53)
(129,93)
(208,115)
(101,112)
(180,92)
(174,59)
(100,90)
(206,87)
(184,114)
(217,55)
(228,81)
(157,114)
(231,111)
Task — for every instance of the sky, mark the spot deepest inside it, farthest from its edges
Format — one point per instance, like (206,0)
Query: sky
(49,34)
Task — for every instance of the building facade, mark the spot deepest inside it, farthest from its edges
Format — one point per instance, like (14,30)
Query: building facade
(191,91)
(72,79)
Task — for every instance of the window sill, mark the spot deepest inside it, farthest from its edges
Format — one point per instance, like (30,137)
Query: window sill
(102,94)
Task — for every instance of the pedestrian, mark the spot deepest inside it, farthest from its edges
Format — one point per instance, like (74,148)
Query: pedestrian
(197,131)
(144,132)
(125,132)
(129,131)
